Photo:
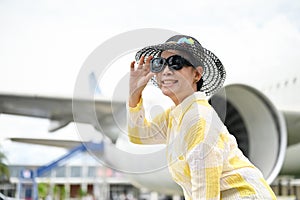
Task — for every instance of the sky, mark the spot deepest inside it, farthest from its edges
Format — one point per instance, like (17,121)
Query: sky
(43,45)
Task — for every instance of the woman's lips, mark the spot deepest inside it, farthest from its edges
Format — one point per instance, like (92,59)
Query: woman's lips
(168,82)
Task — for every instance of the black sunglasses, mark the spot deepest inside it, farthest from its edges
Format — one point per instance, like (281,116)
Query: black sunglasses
(174,62)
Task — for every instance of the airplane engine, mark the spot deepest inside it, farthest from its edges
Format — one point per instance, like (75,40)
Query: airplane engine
(259,128)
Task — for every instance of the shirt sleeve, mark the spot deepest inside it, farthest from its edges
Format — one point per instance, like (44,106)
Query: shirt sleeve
(142,131)
(204,157)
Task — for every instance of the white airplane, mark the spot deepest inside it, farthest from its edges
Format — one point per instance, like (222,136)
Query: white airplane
(267,131)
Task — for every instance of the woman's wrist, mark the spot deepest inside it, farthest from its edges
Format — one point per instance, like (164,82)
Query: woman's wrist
(134,100)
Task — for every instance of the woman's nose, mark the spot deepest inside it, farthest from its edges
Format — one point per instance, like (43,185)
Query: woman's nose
(167,71)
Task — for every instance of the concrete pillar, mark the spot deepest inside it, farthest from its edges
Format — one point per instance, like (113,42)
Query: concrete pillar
(67,183)
(96,190)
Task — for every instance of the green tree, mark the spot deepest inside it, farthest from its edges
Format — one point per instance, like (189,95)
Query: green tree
(4,171)
(59,192)
(43,189)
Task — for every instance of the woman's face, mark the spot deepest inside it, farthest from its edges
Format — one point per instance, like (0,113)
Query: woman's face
(178,84)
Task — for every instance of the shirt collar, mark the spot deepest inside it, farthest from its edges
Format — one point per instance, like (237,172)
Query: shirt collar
(177,111)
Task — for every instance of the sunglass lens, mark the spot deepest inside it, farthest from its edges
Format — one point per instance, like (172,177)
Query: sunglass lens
(175,62)
(157,65)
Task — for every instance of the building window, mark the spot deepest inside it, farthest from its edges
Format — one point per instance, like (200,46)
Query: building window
(15,171)
(76,171)
(60,172)
(91,171)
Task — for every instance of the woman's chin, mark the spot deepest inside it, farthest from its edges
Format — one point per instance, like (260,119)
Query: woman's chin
(168,92)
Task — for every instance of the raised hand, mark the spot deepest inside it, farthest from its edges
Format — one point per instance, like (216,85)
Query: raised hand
(139,78)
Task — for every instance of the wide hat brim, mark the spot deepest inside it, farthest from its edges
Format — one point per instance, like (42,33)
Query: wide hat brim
(214,73)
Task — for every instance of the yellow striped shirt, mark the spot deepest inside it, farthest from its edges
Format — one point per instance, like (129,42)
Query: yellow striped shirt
(203,156)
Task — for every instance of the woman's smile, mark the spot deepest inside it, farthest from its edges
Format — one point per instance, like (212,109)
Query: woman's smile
(169,82)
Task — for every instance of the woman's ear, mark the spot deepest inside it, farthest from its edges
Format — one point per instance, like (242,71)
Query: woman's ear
(198,74)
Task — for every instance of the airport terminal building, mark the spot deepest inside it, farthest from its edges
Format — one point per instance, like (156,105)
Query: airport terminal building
(73,182)
(82,179)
